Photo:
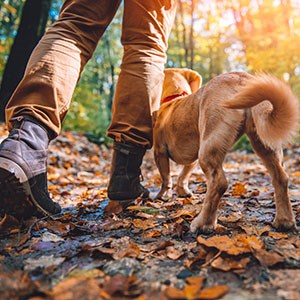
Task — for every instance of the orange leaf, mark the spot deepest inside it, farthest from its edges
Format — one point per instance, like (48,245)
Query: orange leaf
(174,293)
(151,234)
(277,235)
(191,291)
(195,281)
(233,246)
(214,292)
(239,189)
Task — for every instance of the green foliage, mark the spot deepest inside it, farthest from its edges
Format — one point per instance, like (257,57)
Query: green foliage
(243,144)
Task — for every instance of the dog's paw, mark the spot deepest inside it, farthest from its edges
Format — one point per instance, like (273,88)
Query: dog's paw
(164,195)
(183,192)
(198,225)
(284,224)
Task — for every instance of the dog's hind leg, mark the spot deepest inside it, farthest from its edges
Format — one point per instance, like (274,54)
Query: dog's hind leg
(211,159)
(272,159)
(163,165)
(182,188)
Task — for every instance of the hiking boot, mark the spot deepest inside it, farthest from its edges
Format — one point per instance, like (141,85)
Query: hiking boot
(23,166)
(124,184)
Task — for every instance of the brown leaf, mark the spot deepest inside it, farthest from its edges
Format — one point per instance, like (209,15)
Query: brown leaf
(111,224)
(121,285)
(267,258)
(76,288)
(125,248)
(234,246)
(199,257)
(144,224)
(228,264)
(174,253)
(113,207)
(232,218)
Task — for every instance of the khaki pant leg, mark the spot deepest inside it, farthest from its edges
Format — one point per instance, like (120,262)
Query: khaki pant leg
(55,65)
(146,28)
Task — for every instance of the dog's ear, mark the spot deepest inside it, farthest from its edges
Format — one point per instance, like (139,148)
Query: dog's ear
(194,78)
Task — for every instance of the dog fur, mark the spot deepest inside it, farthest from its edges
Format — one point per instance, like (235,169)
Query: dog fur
(204,124)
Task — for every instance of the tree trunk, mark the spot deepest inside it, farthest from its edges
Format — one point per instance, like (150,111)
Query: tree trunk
(185,46)
(112,74)
(31,29)
(192,35)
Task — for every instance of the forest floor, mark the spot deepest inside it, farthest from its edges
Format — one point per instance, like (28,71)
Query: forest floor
(146,251)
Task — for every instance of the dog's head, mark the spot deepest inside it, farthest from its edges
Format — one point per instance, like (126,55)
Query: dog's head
(179,82)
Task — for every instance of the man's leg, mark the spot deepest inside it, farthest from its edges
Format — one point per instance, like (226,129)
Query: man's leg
(146,28)
(40,102)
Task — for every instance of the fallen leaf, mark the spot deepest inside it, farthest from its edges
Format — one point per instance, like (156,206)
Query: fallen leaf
(174,293)
(232,218)
(228,263)
(267,258)
(173,253)
(237,245)
(151,234)
(277,235)
(51,237)
(214,292)
(77,288)
(42,262)
(196,281)
(113,207)
(125,247)
(121,285)
(239,189)
(144,224)
(145,209)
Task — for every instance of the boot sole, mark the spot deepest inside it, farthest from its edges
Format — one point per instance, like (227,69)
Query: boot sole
(14,182)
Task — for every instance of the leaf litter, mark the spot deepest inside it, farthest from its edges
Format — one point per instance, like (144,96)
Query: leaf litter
(102,250)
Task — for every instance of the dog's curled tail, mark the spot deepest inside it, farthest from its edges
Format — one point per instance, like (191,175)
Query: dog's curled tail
(276,120)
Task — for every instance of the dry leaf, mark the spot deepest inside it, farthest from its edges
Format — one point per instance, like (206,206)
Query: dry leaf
(214,292)
(268,259)
(121,285)
(173,253)
(174,293)
(76,288)
(232,218)
(277,235)
(227,264)
(144,224)
(196,281)
(239,189)
(151,234)
(124,247)
(234,246)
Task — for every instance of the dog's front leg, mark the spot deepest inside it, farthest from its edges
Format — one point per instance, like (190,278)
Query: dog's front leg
(163,164)
(217,184)
(182,188)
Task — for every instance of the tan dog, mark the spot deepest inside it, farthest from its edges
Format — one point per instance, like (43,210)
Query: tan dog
(203,126)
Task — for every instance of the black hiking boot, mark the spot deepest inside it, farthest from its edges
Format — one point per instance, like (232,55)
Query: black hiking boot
(23,167)
(124,184)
